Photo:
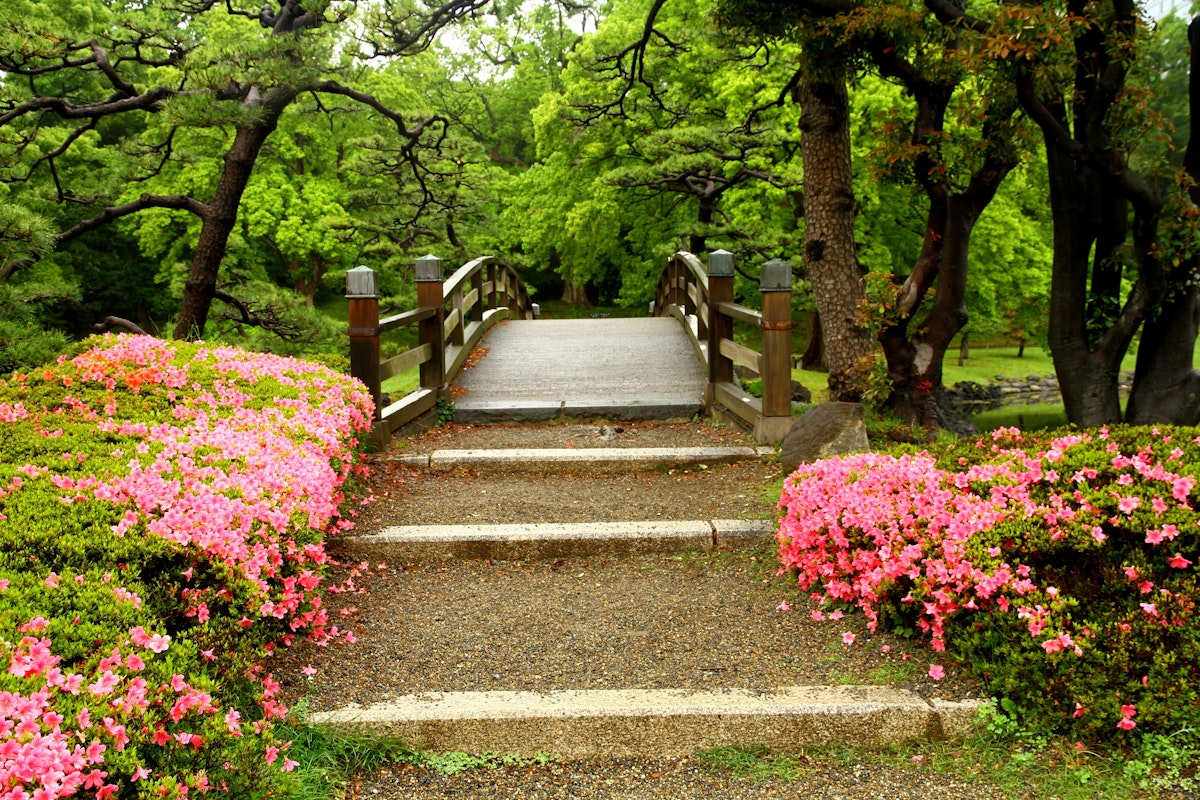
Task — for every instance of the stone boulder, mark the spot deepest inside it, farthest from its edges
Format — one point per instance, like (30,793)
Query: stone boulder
(829,429)
(800,393)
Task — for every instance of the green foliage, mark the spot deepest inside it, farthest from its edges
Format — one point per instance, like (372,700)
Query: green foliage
(445,411)
(454,762)
(328,758)
(24,237)
(756,763)
(292,328)
(24,342)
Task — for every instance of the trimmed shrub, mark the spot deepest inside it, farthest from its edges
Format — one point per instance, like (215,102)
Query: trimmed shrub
(1061,569)
(163,508)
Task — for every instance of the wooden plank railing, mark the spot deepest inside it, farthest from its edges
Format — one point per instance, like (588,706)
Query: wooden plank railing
(451,317)
(702,300)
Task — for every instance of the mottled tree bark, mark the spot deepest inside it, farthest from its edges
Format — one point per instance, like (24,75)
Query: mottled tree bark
(830,254)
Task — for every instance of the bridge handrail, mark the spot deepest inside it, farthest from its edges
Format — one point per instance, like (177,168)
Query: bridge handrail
(451,317)
(702,300)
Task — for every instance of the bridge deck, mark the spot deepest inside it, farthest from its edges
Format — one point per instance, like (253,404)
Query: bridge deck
(621,369)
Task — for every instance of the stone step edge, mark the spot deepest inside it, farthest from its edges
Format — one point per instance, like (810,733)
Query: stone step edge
(658,722)
(511,542)
(482,412)
(537,458)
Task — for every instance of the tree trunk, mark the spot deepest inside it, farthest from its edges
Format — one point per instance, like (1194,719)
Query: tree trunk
(1166,386)
(1087,376)
(307,282)
(915,363)
(575,294)
(698,239)
(830,255)
(814,354)
(221,213)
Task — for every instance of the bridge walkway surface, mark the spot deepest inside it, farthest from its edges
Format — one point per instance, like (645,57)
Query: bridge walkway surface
(618,369)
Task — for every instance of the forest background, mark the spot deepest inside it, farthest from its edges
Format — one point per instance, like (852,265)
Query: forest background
(194,168)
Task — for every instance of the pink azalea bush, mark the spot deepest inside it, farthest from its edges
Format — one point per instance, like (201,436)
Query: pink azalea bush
(163,509)
(1062,570)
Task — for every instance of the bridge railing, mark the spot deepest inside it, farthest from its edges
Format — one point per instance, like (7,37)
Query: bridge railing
(451,316)
(702,300)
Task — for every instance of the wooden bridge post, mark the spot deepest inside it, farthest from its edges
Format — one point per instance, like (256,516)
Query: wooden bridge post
(477,307)
(719,324)
(431,331)
(776,286)
(363,301)
(678,295)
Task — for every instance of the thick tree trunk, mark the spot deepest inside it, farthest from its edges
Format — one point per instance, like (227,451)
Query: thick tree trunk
(830,255)
(814,355)
(1166,387)
(221,213)
(915,362)
(575,294)
(698,239)
(307,281)
(1087,376)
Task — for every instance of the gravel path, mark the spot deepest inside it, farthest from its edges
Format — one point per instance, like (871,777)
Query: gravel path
(691,621)
(673,779)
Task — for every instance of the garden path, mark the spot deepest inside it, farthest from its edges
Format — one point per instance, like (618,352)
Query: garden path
(606,611)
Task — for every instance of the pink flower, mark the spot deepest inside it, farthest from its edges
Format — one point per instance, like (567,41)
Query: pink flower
(783,606)
(1179,562)
(848,638)
(937,671)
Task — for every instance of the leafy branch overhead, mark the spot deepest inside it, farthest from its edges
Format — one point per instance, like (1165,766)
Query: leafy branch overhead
(196,65)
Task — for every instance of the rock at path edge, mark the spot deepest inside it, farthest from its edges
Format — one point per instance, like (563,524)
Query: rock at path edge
(828,429)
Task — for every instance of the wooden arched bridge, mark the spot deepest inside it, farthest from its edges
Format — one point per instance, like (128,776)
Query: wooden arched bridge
(675,364)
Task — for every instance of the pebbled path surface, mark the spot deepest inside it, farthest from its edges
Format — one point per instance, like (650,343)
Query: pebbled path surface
(697,620)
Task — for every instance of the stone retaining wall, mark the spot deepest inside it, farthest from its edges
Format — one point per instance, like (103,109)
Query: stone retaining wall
(1004,391)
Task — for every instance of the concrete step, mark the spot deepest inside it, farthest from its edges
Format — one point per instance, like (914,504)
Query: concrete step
(657,722)
(411,543)
(539,459)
